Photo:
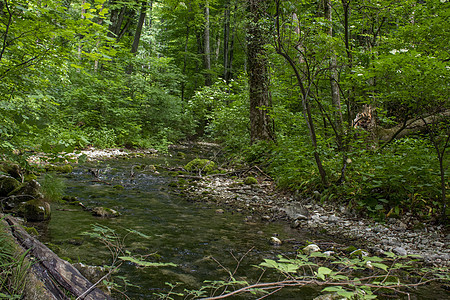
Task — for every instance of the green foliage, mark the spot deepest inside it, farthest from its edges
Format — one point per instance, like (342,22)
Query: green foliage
(250,180)
(116,244)
(143,263)
(396,178)
(221,111)
(359,277)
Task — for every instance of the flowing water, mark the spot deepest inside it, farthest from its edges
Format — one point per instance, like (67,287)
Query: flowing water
(204,244)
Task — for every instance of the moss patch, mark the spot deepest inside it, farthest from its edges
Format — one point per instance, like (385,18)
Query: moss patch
(200,165)
(7,185)
(250,180)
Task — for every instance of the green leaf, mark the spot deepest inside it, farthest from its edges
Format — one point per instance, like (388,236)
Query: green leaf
(380,266)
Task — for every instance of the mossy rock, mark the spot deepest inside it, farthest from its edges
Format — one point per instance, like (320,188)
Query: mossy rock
(181,155)
(200,165)
(25,192)
(7,185)
(118,187)
(36,210)
(350,249)
(59,168)
(173,184)
(250,180)
(11,169)
(105,212)
(69,198)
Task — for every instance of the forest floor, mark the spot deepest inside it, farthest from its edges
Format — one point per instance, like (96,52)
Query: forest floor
(263,201)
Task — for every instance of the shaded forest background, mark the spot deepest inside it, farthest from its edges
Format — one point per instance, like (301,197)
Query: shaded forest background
(347,98)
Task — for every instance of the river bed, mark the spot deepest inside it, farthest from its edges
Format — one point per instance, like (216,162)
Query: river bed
(202,240)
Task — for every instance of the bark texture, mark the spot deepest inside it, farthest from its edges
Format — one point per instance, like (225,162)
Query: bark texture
(260,101)
(51,269)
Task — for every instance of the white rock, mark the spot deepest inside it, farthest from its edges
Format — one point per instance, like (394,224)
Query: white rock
(310,249)
(275,241)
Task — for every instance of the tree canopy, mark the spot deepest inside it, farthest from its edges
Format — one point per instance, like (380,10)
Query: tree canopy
(348,98)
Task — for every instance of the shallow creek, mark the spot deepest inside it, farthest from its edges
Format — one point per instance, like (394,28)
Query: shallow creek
(181,232)
(201,239)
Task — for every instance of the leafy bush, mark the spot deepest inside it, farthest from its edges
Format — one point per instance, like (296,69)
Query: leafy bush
(221,111)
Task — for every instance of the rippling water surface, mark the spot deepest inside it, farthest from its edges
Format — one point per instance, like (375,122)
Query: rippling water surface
(202,243)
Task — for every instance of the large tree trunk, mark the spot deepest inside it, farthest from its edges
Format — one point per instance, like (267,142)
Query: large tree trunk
(260,101)
(226,38)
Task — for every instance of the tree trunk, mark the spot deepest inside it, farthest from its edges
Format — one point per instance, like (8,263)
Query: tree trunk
(305,93)
(260,124)
(350,97)
(183,84)
(207,48)
(60,271)
(226,39)
(335,95)
(137,34)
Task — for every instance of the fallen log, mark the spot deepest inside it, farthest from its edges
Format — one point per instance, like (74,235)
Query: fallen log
(53,268)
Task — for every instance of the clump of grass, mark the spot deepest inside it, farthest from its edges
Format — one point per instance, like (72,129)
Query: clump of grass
(13,267)
(53,186)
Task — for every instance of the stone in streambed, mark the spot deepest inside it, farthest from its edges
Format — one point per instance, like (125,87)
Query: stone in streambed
(23,193)
(400,251)
(275,241)
(105,212)
(36,210)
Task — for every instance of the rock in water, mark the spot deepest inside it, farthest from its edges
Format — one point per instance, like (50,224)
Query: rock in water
(275,241)
(36,210)
(105,212)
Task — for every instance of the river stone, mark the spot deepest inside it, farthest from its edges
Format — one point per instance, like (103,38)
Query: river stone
(7,185)
(29,191)
(297,212)
(36,210)
(275,241)
(12,169)
(400,251)
(310,249)
(92,273)
(333,219)
(105,212)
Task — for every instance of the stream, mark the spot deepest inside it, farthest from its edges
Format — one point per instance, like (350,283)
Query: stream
(201,240)
(205,242)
